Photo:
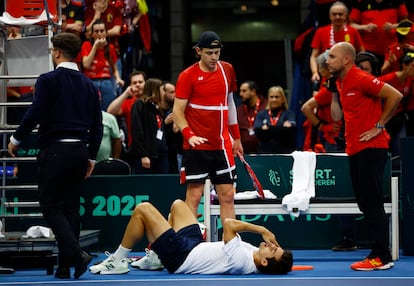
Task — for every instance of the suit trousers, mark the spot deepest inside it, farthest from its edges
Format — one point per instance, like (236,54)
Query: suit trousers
(61,171)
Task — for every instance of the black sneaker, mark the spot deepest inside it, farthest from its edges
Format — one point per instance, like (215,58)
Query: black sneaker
(347,244)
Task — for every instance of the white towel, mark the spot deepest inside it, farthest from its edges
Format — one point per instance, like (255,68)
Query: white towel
(22,21)
(303,185)
(38,231)
(246,195)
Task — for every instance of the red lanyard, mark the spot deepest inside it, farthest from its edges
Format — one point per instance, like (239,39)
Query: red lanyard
(273,120)
(251,119)
(159,121)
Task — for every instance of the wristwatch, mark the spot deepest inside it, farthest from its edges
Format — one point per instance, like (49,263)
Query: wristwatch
(379,126)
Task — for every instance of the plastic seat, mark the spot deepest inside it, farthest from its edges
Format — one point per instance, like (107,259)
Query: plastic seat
(112,166)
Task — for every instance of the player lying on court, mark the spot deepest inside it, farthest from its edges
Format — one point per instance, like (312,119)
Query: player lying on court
(181,249)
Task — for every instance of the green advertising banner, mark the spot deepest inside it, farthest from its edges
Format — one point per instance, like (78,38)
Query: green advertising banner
(108,201)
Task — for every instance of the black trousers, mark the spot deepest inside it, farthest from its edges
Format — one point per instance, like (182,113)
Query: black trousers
(61,171)
(367,171)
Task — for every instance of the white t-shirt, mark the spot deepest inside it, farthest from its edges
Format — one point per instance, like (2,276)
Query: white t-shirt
(234,257)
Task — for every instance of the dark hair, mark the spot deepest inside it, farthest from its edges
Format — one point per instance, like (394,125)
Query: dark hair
(106,48)
(372,59)
(251,84)
(281,266)
(68,43)
(151,90)
(134,73)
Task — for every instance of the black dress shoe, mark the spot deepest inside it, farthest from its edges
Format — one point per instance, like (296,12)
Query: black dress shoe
(81,263)
(62,273)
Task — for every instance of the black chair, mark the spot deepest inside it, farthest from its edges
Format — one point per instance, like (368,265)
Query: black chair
(112,166)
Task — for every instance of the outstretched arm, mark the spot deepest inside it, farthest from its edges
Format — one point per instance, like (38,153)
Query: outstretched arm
(233,226)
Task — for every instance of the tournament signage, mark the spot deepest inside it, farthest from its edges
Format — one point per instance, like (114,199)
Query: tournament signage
(107,202)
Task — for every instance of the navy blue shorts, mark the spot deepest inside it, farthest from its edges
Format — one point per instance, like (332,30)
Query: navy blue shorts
(173,247)
(213,164)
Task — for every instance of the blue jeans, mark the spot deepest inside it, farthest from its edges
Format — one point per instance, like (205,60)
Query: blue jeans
(106,87)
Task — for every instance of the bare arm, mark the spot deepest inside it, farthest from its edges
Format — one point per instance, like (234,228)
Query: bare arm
(114,107)
(233,226)
(178,110)
(367,27)
(181,122)
(76,27)
(116,148)
(114,32)
(313,65)
(392,98)
(118,79)
(308,109)
(87,60)
(336,110)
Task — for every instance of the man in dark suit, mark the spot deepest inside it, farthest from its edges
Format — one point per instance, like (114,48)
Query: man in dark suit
(67,109)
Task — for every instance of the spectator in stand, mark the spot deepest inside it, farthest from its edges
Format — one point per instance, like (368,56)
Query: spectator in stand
(121,106)
(403,43)
(13,32)
(275,126)
(368,62)
(105,11)
(252,103)
(375,20)
(99,63)
(403,81)
(323,129)
(108,12)
(172,133)
(338,31)
(73,16)
(111,146)
(149,147)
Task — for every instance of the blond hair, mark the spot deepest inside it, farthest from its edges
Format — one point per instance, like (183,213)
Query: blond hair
(280,90)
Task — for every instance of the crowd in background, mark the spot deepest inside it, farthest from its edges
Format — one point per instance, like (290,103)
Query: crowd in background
(137,111)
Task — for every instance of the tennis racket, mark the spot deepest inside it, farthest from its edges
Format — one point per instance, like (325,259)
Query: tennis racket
(255,181)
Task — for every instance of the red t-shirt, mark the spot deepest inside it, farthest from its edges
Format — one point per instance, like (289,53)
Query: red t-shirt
(367,11)
(322,40)
(126,111)
(207,109)
(112,16)
(405,87)
(100,67)
(362,109)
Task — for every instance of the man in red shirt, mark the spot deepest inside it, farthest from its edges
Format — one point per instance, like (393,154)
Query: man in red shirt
(376,20)
(205,112)
(338,31)
(366,104)
(121,106)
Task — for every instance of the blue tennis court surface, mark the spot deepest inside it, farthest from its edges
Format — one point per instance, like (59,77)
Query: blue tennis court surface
(330,268)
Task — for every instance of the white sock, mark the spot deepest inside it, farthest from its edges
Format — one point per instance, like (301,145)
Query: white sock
(121,252)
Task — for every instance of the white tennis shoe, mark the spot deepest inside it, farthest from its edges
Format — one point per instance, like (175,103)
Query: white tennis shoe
(149,262)
(110,266)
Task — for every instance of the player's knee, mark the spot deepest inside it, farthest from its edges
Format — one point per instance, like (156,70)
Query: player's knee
(178,203)
(143,207)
